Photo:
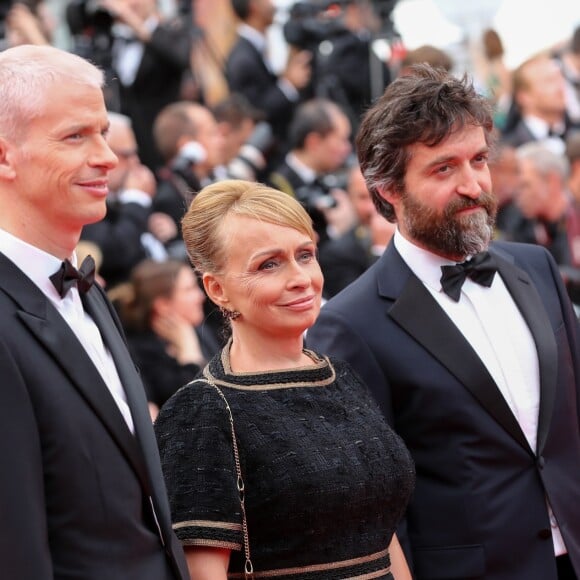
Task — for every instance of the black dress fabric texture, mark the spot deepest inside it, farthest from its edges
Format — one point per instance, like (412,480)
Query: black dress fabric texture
(326,479)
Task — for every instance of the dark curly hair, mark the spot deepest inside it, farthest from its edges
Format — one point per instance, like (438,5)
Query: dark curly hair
(424,106)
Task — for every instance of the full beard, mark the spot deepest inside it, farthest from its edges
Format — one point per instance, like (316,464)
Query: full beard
(449,234)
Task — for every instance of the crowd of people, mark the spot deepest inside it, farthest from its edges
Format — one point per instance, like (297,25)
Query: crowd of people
(301,331)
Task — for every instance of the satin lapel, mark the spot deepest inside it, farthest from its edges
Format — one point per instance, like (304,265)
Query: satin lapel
(53,332)
(54,335)
(417,312)
(99,309)
(530,304)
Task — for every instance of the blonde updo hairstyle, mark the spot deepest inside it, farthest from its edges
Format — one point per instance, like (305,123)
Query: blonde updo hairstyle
(203,226)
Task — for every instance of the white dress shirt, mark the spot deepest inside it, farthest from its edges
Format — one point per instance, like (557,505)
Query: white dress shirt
(491,322)
(39,266)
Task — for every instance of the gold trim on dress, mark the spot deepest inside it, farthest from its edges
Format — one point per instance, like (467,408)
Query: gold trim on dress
(326,567)
(212,543)
(271,387)
(320,362)
(208,524)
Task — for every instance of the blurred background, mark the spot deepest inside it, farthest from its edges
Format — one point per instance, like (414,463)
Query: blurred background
(526,26)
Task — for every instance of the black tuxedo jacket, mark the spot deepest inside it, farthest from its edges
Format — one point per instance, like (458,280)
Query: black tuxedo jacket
(80,496)
(247,74)
(479,508)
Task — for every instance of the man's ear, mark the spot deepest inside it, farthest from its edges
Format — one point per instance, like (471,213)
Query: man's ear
(7,171)
(312,140)
(389,194)
(214,289)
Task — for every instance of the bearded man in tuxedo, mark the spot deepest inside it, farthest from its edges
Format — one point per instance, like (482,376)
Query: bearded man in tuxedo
(470,347)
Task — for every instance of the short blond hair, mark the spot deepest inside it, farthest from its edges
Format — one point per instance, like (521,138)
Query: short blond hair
(202,225)
(26,72)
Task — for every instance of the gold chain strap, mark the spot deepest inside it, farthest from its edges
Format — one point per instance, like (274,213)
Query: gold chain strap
(248,567)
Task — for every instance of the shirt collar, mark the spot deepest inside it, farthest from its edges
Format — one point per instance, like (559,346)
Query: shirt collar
(540,129)
(307,174)
(37,264)
(253,36)
(424,264)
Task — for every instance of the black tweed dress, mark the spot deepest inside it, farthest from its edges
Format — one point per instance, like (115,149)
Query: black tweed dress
(327,480)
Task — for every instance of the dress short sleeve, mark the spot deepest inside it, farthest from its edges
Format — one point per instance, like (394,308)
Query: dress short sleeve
(195,443)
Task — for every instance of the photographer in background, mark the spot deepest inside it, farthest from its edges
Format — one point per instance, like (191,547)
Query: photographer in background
(90,26)
(249,71)
(320,144)
(247,139)
(191,146)
(340,35)
(146,54)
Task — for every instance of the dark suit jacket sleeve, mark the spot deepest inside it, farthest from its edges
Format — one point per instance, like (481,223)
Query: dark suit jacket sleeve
(332,334)
(24,551)
(247,74)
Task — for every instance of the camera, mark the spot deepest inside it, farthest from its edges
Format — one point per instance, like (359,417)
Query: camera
(317,195)
(187,157)
(252,157)
(90,25)
(306,30)
(83,15)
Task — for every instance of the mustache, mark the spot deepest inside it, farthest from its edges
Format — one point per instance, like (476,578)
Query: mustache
(485,200)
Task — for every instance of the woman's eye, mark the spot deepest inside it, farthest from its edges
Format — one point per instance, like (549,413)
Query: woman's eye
(268,265)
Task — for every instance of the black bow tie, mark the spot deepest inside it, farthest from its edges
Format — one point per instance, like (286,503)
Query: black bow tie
(481,269)
(67,276)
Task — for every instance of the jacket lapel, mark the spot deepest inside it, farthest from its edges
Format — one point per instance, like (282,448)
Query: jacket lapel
(55,336)
(103,315)
(419,314)
(530,305)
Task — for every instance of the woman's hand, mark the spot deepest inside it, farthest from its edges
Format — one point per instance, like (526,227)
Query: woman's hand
(181,337)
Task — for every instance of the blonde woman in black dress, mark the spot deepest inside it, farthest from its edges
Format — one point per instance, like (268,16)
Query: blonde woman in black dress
(326,481)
